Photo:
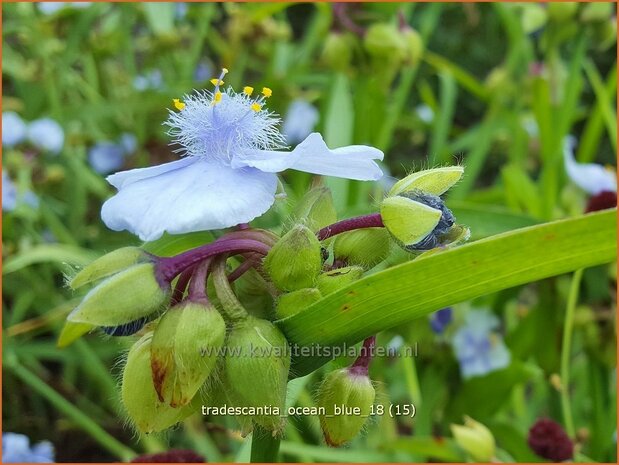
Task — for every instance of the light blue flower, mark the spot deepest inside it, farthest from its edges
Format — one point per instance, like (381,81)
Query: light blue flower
(300,120)
(425,113)
(107,157)
(180,10)
(232,150)
(590,177)
(16,449)
(46,134)
(477,345)
(11,197)
(152,80)
(49,8)
(13,129)
(9,193)
(203,72)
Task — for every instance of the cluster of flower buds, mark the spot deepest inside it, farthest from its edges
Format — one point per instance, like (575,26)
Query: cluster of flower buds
(206,335)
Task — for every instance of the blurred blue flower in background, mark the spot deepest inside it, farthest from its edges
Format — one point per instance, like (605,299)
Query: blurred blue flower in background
(14,129)
(152,80)
(106,157)
(49,8)
(440,320)
(590,177)
(11,198)
(301,118)
(425,113)
(46,134)
(203,72)
(16,449)
(478,347)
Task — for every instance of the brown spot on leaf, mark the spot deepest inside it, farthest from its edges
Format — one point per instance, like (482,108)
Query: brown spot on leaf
(345,307)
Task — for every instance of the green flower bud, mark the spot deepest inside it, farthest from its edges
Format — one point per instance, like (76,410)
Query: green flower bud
(347,398)
(383,40)
(295,301)
(408,221)
(295,261)
(139,397)
(561,11)
(256,366)
(596,12)
(71,332)
(475,439)
(184,350)
(365,247)
(108,264)
(315,209)
(604,34)
(413,44)
(337,51)
(124,297)
(331,281)
(434,181)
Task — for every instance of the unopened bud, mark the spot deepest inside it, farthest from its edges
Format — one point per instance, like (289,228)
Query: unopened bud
(413,44)
(347,398)
(365,247)
(256,367)
(293,302)
(383,40)
(475,439)
(434,181)
(139,397)
(184,350)
(337,51)
(108,265)
(331,281)
(315,209)
(122,298)
(295,260)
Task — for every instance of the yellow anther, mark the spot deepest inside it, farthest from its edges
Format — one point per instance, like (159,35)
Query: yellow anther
(256,107)
(217,97)
(178,104)
(247,90)
(217,82)
(267,92)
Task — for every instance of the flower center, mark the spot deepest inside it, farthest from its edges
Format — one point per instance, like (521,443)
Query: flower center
(221,124)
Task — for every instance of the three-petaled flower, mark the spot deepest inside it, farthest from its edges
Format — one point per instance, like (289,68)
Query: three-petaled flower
(231,149)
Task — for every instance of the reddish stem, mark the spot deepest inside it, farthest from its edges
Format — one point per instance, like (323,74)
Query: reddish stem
(372,220)
(169,267)
(181,285)
(361,365)
(241,269)
(197,286)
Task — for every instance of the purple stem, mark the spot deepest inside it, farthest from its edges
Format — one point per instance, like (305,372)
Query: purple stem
(181,285)
(360,367)
(197,286)
(169,267)
(372,220)
(241,269)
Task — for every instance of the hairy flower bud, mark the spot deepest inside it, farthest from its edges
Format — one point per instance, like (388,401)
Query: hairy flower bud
(293,302)
(316,209)
(139,397)
(365,247)
(256,367)
(108,264)
(333,280)
(295,260)
(122,298)
(475,439)
(347,398)
(184,350)
(434,181)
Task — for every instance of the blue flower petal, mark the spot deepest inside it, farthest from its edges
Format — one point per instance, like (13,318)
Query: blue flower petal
(191,194)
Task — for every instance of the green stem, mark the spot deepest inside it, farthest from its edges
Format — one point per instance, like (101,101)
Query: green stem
(568,327)
(264,447)
(63,405)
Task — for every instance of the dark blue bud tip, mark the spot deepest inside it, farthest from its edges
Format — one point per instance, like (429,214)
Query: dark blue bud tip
(127,329)
(440,320)
(446,222)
